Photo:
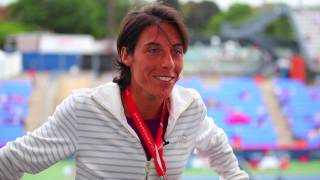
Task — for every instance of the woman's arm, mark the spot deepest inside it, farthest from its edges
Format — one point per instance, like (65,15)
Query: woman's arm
(213,143)
(36,151)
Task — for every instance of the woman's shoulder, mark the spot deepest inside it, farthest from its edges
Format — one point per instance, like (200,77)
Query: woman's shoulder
(109,86)
(187,92)
(88,93)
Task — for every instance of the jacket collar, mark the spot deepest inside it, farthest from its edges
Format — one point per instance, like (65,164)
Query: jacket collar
(180,100)
(108,96)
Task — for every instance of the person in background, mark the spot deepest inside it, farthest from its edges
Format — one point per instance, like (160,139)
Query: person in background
(284,67)
(140,126)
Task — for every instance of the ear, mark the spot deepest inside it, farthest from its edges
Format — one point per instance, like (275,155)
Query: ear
(126,57)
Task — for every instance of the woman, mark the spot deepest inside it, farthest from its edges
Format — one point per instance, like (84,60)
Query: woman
(142,126)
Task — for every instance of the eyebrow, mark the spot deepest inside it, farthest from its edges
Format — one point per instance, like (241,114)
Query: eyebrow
(152,44)
(177,45)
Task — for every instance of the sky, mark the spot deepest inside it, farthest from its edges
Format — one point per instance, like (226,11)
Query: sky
(4,2)
(224,4)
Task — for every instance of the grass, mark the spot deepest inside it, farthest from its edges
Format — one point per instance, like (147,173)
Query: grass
(64,170)
(295,168)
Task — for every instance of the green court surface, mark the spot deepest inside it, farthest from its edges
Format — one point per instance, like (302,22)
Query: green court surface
(295,168)
(64,170)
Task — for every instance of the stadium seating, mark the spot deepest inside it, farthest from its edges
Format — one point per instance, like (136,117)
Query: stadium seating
(237,106)
(301,106)
(14,97)
(10,132)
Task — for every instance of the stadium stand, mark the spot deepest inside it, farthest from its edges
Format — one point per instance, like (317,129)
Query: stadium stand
(309,19)
(304,22)
(300,104)
(14,97)
(235,103)
(237,106)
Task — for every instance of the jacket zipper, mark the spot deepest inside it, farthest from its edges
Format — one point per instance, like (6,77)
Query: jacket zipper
(148,166)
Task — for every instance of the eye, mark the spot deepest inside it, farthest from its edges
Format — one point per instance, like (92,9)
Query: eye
(178,51)
(153,50)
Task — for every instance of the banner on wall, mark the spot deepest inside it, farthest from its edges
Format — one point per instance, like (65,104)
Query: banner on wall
(10,64)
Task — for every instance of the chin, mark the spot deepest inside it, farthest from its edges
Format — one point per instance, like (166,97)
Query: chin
(165,94)
(161,91)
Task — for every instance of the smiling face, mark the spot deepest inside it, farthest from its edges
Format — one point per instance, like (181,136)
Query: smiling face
(156,62)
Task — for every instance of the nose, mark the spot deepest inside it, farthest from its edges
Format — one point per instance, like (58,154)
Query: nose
(167,61)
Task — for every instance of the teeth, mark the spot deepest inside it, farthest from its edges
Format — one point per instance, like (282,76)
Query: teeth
(163,78)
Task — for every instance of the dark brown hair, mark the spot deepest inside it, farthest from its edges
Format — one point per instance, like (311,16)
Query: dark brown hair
(133,25)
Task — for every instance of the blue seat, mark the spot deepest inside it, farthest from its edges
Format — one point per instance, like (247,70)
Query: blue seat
(15,106)
(10,133)
(301,108)
(242,95)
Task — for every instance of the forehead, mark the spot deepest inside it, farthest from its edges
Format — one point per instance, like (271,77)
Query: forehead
(163,33)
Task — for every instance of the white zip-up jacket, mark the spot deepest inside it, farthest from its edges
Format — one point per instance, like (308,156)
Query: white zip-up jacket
(91,125)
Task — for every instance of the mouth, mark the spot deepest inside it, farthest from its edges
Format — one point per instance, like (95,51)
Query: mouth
(164,78)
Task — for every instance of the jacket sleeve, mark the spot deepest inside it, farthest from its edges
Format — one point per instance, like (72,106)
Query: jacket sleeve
(212,142)
(36,151)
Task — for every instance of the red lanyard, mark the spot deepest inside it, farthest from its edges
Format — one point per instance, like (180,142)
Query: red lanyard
(155,148)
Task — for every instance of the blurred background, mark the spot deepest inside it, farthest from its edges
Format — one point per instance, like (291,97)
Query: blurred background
(256,63)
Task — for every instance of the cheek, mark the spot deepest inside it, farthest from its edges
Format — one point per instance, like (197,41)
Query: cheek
(179,66)
(141,71)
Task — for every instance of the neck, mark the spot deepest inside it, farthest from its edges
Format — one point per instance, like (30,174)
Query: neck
(149,106)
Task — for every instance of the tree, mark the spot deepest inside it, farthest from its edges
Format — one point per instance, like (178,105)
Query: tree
(281,29)
(67,16)
(236,14)
(239,13)
(173,3)
(10,28)
(112,13)
(197,15)
(215,23)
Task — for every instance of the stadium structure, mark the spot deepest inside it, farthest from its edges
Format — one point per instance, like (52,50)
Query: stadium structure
(305,23)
